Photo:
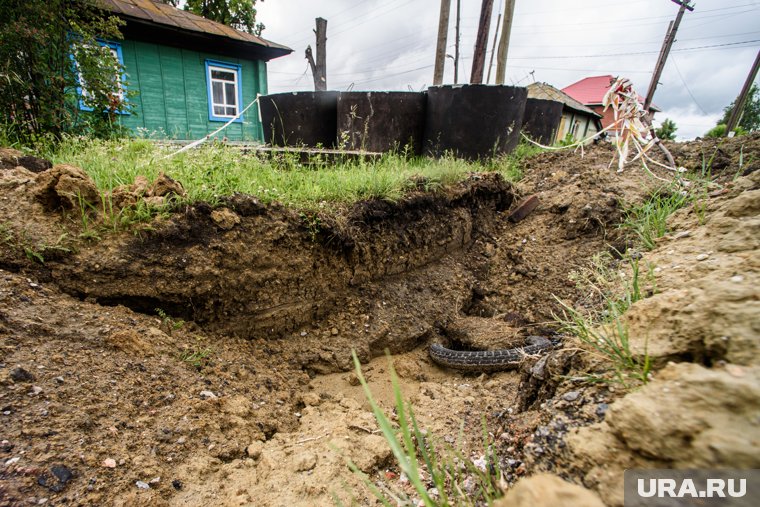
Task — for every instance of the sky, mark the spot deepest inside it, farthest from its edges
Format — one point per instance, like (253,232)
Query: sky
(390,45)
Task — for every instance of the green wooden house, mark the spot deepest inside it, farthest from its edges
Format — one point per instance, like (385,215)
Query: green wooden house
(192,74)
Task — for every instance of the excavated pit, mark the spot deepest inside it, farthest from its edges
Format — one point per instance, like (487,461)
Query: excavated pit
(247,400)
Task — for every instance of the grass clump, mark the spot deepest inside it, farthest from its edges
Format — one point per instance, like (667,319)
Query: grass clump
(436,472)
(605,333)
(196,357)
(609,339)
(649,220)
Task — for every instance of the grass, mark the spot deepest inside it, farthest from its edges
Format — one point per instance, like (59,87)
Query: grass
(609,338)
(214,171)
(649,220)
(436,476)
(605,333)
(197,357)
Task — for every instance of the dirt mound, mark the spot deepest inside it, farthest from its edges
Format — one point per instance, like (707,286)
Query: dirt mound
(690,415)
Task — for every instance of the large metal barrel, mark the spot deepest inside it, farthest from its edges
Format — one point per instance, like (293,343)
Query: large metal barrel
(382,121)
(300,118)
(541,120)
(474,121)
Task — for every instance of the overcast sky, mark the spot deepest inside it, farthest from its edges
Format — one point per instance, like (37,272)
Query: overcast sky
(390,45)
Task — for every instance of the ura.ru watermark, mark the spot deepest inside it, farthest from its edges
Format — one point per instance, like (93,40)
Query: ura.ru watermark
(665,488)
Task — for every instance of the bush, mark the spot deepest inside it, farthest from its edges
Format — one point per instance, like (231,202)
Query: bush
(46,46)
(720,131)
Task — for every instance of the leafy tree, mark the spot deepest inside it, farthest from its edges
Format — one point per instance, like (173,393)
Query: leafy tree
(750,120)
(667,130)
(239,14)
(46,48)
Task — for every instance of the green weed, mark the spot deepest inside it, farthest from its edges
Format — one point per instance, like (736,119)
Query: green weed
(167,322)
(436,471)
(196,357)
(610,339)
(648,221)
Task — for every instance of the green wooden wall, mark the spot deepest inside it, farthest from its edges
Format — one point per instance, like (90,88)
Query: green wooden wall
(173,98)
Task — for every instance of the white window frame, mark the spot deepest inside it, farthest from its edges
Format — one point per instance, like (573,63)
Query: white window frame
(235,70)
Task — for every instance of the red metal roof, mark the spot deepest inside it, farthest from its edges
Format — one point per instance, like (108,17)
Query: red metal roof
(165,14)
(590,91)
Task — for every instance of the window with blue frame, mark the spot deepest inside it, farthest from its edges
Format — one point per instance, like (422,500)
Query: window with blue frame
(119,95)
(225,93)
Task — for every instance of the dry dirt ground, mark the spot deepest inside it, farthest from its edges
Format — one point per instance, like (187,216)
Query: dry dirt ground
(239,391)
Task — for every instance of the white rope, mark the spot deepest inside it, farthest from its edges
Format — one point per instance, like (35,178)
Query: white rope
(209,136)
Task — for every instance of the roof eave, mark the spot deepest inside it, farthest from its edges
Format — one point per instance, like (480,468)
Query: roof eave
(265,52)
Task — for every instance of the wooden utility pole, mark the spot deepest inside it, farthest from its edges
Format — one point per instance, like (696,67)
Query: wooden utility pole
(506,32)
(456,44)
(670,37)
(319,68)
(479,58)
(440,52)
(736,112)
(493,48)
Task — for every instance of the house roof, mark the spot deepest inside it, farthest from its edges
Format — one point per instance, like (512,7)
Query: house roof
(546,91)
(165,16)
(591,90)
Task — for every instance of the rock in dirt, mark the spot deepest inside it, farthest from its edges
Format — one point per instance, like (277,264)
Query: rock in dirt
(166,186)
(305,462)
(689,416)
(254,450)
(225,218)
(56,481)
(129,341)
(546,490)
(66,187)
(10,158)
(208,395)
(19,374)
(571,396)
(483,334)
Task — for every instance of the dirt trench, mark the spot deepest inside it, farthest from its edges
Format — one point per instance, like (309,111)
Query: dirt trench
(247,400)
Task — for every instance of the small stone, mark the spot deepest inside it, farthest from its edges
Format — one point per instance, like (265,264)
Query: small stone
(36,390)
(109,463)
(601,409)
(62,473)
(205,395)
(181,440)
(155,480)
(571,396)
(21,375)
(311,399)
(225,218)
(12,461)
(703,257)
(59,380)
(305,462)
(334,331)
(254,450)
(142,485)
(177,484)
(737,278)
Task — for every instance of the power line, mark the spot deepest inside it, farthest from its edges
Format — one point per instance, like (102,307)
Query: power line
(686,86)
